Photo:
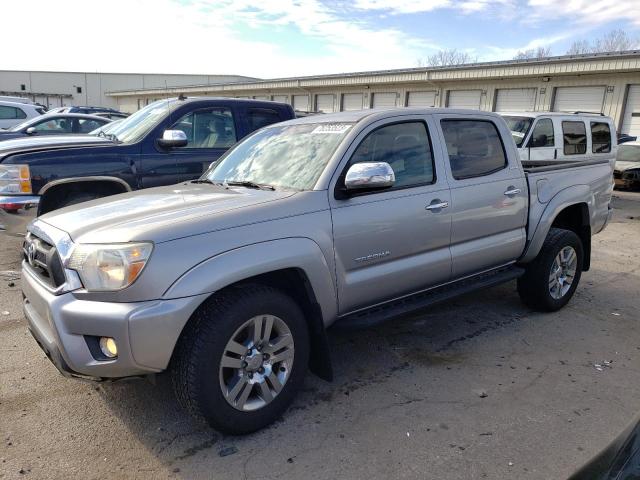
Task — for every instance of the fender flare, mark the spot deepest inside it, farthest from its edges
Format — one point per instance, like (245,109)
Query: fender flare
(62,181)
(567,197)
(246,262)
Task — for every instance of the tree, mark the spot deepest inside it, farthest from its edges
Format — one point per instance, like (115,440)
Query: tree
(445,58)
(579,47)
(614,41)
(533,53)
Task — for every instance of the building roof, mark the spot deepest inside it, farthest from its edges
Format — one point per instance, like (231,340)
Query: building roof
(557,65)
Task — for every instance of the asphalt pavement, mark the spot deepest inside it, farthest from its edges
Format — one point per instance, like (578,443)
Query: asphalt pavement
(480,387)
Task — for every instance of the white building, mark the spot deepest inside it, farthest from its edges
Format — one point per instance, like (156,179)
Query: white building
(606,83)
(59,89)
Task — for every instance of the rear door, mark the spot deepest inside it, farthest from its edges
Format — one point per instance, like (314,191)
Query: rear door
(392,242)
(488,195)
(573,143)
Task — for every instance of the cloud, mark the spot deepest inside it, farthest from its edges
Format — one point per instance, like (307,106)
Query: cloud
(199,36)
(421,6)
(585,12)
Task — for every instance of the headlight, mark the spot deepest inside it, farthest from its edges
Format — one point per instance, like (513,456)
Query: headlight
(15,179)
(109,267)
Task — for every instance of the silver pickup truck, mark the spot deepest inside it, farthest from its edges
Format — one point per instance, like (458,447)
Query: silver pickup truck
(229,282)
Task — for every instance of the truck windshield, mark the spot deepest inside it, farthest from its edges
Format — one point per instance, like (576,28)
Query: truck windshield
(288,156)
(628,153)
(519,127)
(133,128)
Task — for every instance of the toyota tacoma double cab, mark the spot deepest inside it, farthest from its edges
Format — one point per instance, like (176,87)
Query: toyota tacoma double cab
(166,142)
(229,282)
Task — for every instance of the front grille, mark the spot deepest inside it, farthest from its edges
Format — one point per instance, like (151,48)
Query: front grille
(617,174)
(44,260)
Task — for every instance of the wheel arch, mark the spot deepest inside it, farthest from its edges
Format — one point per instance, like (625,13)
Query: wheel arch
(568,210)
(52,192)
(296,266)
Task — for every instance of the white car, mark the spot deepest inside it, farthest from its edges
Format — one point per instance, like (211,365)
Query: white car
(12,113)
(627,171)
(547,137)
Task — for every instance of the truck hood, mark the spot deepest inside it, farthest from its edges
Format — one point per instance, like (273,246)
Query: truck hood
(622,166)
(165,213)
(29,144)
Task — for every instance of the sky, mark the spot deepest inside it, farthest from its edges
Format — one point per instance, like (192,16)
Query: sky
(281,38)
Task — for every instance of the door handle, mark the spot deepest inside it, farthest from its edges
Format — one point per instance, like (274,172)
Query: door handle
(512,191)
(437,206)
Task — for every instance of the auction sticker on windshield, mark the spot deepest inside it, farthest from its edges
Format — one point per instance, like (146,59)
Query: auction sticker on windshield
(338,128)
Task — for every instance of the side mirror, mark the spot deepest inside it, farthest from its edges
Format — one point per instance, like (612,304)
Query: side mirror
(173,139)
(369,176)
(539,141)
(30,130)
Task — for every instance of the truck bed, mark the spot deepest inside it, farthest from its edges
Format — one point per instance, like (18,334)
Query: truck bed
(559,182)
(552,165)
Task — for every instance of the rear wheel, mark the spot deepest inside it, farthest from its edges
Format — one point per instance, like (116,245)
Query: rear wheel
(242,359)
(552,278)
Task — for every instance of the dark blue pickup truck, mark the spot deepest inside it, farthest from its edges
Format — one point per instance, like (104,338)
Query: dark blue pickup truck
(167,142)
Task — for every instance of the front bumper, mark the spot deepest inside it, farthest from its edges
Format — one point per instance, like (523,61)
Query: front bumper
(64,326)
(16,211)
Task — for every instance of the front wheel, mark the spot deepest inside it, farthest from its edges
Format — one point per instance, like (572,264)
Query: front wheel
(552,278)
(242,359)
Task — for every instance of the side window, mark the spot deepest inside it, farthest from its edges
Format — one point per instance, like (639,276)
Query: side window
(212,128)
(7,113)
(55,125)
(261,117)
(574,135)
(542,135)
(474,147)
(404,146)
(600,137)
(88,125)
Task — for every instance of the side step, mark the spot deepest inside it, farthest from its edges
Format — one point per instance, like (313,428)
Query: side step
(395,308)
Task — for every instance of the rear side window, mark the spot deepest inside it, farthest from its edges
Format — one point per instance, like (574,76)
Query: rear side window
(574,135)
(542,135)
(600,137)
(404,146)
(261,117)
(9,113)
(474,147)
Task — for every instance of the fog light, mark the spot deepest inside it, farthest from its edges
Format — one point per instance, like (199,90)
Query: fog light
(108,347)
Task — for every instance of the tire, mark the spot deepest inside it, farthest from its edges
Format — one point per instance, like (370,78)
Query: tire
(208,389)
(536,287)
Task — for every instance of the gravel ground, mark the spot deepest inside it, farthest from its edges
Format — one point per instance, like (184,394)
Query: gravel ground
(478,388)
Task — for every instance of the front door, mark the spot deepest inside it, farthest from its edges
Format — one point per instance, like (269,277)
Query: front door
(541,143)
(488,196)
(393,242)
(210,132)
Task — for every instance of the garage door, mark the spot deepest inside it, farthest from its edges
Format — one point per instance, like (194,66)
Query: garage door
(280,98)
(421,99)
(631,119)
(261,97)
(579,99)
(324,103)
(301,102)
(464,99)
(351,101)
(384,100)
(515,99)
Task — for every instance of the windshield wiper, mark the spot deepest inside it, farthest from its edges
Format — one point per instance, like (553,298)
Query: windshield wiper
(205,180)
(249,184)
(110,136)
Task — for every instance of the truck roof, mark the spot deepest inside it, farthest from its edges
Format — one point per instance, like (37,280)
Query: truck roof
(553,114)
(355,116)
